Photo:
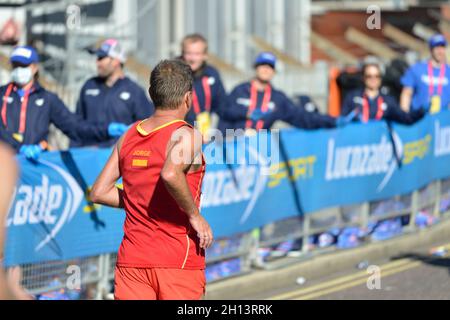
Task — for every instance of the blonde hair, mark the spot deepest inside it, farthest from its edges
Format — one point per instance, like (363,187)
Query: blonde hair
(191,38)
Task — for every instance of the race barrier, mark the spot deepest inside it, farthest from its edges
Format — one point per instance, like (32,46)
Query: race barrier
(267,178)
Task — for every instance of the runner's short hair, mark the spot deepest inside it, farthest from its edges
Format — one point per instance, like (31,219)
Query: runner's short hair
(170,80)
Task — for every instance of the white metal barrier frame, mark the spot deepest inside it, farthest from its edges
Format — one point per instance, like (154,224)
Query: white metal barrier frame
(435,198)
(97,273)
(54,278)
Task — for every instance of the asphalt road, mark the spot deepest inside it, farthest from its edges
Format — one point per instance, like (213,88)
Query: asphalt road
(415,276)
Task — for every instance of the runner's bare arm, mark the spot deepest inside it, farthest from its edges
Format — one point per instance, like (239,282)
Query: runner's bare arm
(8,176)
(104,190)
(10,287)
(182,151)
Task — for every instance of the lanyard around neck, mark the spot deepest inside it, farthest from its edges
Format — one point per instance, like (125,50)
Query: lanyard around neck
(207,91)
(254,102)
(366,109)
(23,109)
(440,80)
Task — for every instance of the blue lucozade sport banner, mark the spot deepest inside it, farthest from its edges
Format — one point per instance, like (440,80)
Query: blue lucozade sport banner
(264,178)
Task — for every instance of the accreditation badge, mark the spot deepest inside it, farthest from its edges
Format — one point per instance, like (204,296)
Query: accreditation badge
(18,137)
(204,123)
(435,104)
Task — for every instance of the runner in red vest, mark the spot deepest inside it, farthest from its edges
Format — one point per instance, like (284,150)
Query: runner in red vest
(162,255)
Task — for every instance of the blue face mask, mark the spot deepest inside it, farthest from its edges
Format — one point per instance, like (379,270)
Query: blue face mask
(21,76)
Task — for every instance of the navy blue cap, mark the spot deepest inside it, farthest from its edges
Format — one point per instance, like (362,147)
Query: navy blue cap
(25,55)
(266,58)
(437,40)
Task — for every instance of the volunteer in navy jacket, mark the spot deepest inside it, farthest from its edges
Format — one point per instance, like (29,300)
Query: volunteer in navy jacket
(426,84)
(209,94)
(111,96)
(369,103)
(27,110)
(256,105)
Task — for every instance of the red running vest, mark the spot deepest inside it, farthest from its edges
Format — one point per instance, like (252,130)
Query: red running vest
(157,232)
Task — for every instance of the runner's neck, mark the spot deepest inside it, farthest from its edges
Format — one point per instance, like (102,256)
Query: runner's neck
(165,116)
(161,118)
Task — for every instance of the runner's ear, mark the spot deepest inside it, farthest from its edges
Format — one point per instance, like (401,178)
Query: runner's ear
(188,100)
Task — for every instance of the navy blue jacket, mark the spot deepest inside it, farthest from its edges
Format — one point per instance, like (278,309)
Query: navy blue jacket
(280,108)
(44,108)
(7,137)
(218,94)
(125,102)
(391,109)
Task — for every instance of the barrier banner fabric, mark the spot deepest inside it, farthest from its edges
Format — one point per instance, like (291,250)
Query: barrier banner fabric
(254,181)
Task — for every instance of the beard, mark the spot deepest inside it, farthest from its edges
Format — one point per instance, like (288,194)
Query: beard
(104,75)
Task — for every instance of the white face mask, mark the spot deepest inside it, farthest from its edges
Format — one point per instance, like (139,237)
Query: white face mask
(21,76)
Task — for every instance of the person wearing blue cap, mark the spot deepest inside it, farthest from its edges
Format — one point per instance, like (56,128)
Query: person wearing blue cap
(28,109)
(209,96)
(257,105)
(426,84)
(111,97)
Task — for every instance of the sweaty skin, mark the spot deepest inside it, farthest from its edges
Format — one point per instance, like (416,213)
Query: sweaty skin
(9,282)
(173,173)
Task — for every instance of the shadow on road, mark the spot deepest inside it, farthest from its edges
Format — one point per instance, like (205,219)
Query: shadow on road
(435,261)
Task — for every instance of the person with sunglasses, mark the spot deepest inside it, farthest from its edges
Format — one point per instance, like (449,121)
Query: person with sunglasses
(371,104)
(111,97)
(27,110)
